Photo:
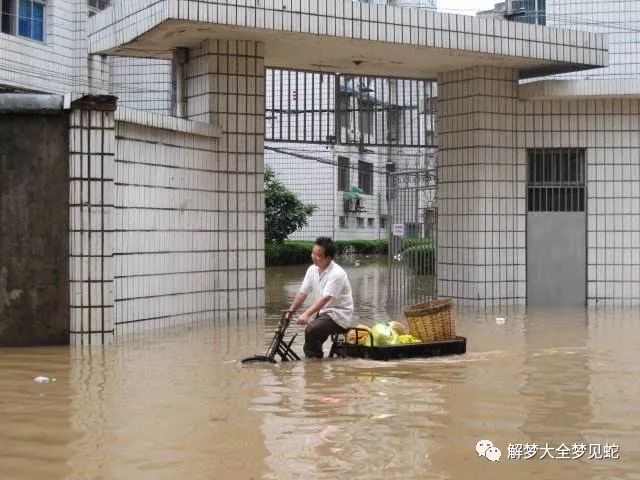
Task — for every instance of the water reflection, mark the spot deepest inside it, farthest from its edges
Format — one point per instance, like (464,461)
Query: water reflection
(369,282)
(342,418)
(177,404)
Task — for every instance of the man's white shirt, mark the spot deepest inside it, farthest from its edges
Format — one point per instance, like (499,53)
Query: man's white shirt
(333,282)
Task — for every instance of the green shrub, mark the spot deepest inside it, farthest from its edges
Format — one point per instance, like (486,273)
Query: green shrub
(414,242)
(287,253)
(296,252)
(284,213)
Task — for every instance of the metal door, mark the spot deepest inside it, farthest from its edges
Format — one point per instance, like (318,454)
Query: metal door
(556,228)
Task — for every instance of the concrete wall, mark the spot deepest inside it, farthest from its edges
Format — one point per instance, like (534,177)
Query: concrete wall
(34,230)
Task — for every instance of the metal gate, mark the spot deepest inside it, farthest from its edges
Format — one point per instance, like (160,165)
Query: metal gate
(365,111)
(413,226)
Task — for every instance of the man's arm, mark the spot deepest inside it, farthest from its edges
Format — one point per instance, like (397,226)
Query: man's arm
(298,300)
(313,309)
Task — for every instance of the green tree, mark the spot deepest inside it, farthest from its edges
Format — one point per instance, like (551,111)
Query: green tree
(284,212)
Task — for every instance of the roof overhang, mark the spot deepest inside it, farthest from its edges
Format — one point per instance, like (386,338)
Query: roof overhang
(345,36)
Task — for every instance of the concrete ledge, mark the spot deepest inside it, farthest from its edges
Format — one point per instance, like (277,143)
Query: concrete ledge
(30,103)
(570,89)
(149,119)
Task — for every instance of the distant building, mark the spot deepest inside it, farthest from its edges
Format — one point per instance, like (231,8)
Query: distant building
(334,169)
(523,11)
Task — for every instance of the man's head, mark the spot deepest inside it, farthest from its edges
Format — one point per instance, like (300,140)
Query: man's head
(324,249)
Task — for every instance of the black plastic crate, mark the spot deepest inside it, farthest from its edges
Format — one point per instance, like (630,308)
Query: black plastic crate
(341,348)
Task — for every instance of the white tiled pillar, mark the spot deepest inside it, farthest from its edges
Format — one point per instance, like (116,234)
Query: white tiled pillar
(91,173)
(225,86)
(482,182)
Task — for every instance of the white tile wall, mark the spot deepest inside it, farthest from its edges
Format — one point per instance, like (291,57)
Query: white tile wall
(219,74)
(91,242)
(142,83)
(609,130)
(618,21)
(345,18)
(61,64)
(173,256)
(481,175)
(53,65)
(484,135)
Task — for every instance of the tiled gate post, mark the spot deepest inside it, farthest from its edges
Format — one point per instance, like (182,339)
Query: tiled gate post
(91,174)
(482,181)
(225,87)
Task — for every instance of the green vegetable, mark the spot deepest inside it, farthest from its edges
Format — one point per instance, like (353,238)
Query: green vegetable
(383,334)
(408,339)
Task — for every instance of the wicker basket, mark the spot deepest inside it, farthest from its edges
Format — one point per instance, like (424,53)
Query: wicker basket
(432,321)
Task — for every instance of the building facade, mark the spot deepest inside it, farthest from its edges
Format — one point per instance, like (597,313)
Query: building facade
(539,187)
(592,113)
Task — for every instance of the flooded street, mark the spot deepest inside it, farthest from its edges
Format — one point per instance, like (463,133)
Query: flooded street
(178,405)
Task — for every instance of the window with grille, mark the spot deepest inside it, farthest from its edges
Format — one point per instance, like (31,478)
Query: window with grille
(96,6)
(365,177)
(556,180)
(343,174)
(528,11)
(24,18)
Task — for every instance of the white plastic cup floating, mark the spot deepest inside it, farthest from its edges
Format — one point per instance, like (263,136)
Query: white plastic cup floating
(43,379)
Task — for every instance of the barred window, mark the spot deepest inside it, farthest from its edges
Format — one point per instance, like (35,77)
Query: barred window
(343,174)
(96,6)
(365,177)
(556,180)
(24,18)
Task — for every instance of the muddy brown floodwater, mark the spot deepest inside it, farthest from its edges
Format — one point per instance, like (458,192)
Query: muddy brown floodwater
(178,405)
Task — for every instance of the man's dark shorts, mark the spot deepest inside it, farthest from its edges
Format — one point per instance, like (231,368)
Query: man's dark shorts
(317,332)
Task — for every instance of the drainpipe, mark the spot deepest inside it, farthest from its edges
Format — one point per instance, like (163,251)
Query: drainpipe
(180,60)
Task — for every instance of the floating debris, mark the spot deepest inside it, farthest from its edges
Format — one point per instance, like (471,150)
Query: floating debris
(43,379)
(382,416)
(330,400)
